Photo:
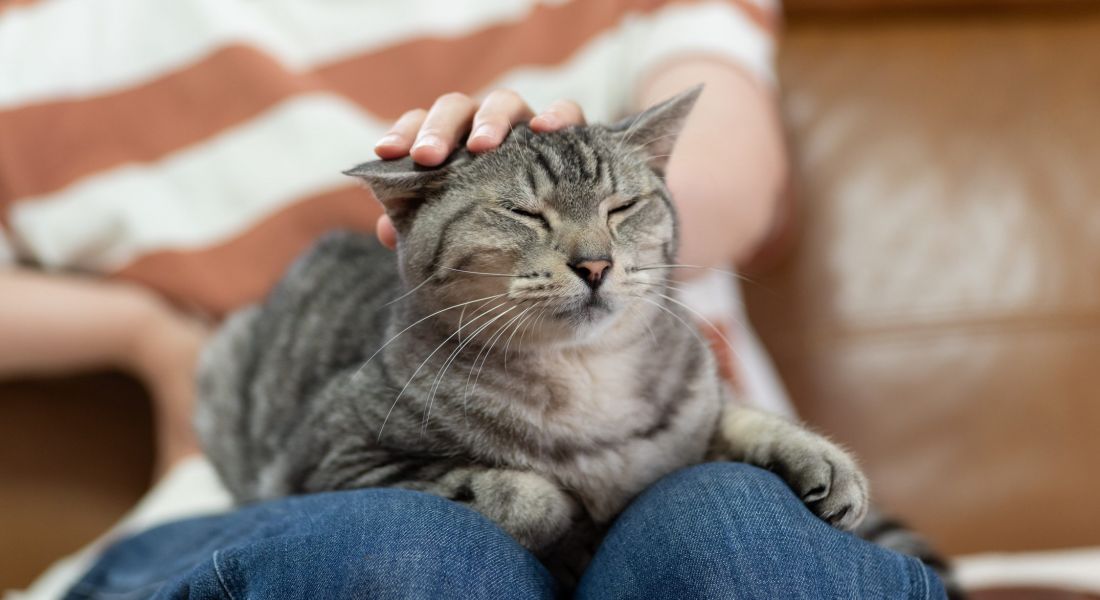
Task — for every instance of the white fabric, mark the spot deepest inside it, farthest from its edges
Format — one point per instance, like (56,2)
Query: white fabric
(84,48)
(1073,569)
(204,193)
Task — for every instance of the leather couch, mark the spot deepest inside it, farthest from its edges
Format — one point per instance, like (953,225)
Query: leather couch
(936,308)
(939,310)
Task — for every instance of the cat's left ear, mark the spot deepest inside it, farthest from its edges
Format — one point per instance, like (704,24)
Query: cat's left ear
(400,185)
(655,129)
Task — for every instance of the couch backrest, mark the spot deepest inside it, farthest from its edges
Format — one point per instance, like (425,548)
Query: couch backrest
(941,311)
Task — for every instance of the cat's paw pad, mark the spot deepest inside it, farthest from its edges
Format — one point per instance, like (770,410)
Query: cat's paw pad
(826,478)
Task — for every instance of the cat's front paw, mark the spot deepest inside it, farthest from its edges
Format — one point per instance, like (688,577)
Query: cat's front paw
(826,478)
(528,506)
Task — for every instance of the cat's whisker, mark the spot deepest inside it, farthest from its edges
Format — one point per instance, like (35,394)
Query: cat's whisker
(694,330)
(450,359)
(492,343)
(413,376)
(410,292)
(466,389)
(709,323)
(465,396)
(661,284)
(526,144)
(515,331)
(626,137)
(480,273)
(459,349)
(458,333)
(681,288)
(657,139)
(523,335)
(428,409)
(645,322)
(716,270)
(402,332)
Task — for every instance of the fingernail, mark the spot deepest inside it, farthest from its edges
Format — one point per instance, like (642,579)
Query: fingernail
(484,130)
(389,140)
(548,120)
(428,140)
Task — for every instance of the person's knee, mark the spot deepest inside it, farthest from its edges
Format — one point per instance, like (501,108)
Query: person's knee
(384,543)
(734,479)
(700,527)
(754,507)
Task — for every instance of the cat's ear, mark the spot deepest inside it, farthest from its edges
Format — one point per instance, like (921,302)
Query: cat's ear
(655,129)
(400,185)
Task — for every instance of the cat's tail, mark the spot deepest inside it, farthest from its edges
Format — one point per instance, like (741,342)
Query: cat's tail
(892,534)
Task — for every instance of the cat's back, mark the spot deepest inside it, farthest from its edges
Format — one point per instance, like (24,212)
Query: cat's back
(325,316)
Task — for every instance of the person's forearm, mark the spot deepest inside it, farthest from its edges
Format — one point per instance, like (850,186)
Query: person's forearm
(56,324)
(729,168)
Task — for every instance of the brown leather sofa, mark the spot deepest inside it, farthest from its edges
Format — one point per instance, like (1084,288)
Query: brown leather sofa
(937,309)
(940,310)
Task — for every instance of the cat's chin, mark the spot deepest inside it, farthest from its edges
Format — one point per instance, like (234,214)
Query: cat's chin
(582,323)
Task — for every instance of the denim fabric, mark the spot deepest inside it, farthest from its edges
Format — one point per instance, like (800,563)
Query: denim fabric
(712,531)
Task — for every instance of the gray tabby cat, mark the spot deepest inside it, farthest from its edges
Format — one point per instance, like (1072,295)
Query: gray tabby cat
(525,355)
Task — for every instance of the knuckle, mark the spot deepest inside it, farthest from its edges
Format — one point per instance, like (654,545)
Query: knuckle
(433,131)
(416,113)
(566,105)
(455,98)
(505,95)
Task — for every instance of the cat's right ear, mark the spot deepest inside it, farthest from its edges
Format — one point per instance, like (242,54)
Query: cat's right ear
(400,185)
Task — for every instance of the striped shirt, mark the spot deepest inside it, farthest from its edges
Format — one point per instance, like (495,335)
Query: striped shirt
(196,146)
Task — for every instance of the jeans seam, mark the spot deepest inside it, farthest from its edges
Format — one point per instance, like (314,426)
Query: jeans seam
(218,573)
(918,573)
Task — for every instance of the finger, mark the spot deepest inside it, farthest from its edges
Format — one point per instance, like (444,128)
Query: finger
(500,110)
(385,231)
(447,121)
(399,139)
(560,114)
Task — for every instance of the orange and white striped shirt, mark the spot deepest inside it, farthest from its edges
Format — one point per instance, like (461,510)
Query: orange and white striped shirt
(195,146)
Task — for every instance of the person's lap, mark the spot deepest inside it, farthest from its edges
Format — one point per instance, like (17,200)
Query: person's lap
(711,531)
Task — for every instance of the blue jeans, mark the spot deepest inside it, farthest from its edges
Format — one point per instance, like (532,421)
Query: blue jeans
(720,530)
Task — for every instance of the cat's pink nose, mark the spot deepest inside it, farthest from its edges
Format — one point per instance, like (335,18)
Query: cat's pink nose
(591,270)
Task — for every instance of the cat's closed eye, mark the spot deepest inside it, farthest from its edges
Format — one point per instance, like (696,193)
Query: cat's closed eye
(622,208)
(530,215)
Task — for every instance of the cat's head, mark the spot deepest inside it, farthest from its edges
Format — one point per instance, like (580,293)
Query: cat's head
(559,233)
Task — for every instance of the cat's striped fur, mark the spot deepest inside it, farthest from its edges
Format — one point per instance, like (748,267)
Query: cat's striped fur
(490,365)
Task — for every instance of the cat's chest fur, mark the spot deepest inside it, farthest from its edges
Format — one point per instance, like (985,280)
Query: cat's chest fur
(629,415)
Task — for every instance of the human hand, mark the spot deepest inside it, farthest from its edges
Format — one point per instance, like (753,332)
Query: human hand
(430,136)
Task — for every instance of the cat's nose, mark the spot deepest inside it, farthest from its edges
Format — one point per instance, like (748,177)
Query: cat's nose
(591,270)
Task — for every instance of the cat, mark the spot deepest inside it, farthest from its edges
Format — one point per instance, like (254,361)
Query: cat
(524,355)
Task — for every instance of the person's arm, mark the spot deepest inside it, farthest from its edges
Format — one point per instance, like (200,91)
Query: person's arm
(729,169)
(60,324)
(57,324)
